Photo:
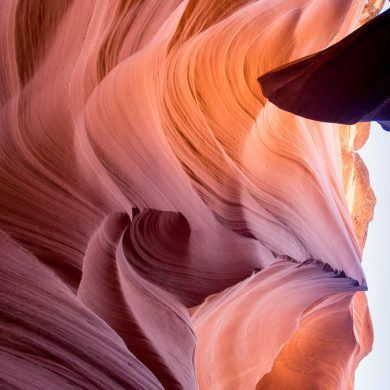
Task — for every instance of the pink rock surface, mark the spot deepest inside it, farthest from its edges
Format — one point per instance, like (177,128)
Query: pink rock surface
(288,326)
(162,224)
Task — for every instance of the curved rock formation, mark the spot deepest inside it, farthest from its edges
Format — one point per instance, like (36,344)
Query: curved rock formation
(163,225)
(289,326)
(49,339)
(345,83)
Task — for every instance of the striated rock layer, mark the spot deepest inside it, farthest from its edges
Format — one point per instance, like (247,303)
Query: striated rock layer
(163,225)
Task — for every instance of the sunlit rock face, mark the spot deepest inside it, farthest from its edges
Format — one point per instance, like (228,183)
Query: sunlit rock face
(162,224)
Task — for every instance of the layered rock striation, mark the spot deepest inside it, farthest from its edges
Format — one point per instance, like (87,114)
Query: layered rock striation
(163,225)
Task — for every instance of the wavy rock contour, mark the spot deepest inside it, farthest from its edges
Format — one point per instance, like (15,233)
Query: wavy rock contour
(162,224)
